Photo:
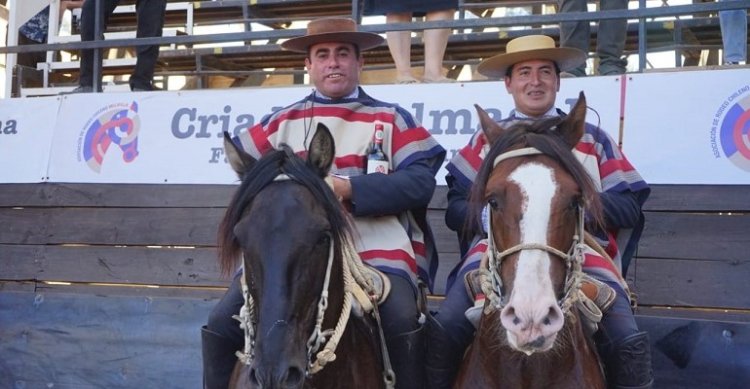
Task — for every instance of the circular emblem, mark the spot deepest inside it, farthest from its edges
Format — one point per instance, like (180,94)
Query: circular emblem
(735,133)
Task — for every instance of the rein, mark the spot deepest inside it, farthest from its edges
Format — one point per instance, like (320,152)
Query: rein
(356,285)
(490,276)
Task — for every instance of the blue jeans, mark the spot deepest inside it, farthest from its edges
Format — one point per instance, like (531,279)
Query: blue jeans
(610,41)
(734,34)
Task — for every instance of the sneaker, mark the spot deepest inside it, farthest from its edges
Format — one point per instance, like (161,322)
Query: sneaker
(79,89)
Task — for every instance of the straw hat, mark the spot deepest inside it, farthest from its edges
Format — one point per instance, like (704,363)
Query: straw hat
(531,47)
(327,30)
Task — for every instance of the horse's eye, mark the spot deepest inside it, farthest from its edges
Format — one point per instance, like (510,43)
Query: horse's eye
(492,202)
(325,239)
(576,202)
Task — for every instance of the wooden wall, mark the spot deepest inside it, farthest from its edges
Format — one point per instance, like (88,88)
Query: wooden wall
(108,285)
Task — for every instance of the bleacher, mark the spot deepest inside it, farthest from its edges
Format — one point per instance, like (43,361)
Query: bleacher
(474,37)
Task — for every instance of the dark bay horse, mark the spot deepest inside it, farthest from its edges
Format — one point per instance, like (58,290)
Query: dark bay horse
(530,333)
(292,235)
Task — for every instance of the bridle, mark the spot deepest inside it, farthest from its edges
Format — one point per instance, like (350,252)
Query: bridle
(356,285)
(490,276)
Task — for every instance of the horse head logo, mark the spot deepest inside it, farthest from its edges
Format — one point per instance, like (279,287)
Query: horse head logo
(119,125)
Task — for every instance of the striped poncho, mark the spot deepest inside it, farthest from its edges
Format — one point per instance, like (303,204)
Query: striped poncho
(608,168)
(391,229)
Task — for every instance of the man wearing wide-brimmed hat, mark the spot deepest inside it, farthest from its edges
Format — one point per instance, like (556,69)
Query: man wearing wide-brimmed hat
(531,69)
(388,209)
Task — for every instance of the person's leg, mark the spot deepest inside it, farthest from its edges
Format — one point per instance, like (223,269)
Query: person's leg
(403,333)
(399,44)
(624,349)
(222,337)
(435,42)
(86,77)
(610,41)
(575,34)
(150,24)
(734,35)
(449,333)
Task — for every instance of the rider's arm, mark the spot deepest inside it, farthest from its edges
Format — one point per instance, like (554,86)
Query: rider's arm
(407,188)
(458,199)
(621,209)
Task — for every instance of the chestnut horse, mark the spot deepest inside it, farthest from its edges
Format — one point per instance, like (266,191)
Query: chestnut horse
(295,243)
(530,333)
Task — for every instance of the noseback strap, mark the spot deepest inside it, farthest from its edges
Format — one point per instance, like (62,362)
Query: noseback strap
(515,153)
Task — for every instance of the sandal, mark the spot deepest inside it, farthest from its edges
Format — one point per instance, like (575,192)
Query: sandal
(441,79)
(406,80)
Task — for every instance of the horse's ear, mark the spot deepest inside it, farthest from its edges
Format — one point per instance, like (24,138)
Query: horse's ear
(491,129)
(572,127)
(322,150)
(239,160)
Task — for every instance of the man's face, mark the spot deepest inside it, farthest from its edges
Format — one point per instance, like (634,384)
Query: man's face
(534,85)
(334,68)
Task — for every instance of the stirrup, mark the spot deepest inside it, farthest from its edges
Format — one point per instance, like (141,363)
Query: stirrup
(473,283)
(600,293)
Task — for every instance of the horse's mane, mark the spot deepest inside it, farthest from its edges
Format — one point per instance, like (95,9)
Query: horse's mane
(542,135)
(262,173)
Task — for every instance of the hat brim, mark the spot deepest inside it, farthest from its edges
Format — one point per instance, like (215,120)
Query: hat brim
(363,40)
(566,58)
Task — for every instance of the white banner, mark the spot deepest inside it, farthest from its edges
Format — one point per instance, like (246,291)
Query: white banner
(175,137)
(680,128)
(25,138)
(689,127)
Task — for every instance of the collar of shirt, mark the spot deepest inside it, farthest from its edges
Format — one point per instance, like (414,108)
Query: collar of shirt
(353,95)
(520,115)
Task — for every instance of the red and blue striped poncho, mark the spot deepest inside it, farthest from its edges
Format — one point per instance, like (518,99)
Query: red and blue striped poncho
(389,210)
(609,169)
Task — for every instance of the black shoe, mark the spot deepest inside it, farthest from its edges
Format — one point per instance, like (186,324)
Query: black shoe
(218,359)
(628,363)
(143,88)
(79,89)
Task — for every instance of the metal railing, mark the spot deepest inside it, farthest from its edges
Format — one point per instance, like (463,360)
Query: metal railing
(642,14)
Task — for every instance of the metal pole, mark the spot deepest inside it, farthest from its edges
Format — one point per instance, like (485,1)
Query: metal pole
(356,12)
(641,38)
(97,71)
(678,43)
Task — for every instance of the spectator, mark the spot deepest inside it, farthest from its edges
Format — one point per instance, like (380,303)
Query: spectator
(610,41)
(734,35)
(150,15)
(36,30)
(399,42)
(393,203)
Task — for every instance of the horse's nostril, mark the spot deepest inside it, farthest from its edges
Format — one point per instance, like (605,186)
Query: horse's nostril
(254,377)
(294,377)
(509,317)
(553,315)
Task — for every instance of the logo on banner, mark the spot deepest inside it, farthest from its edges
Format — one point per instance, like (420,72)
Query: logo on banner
(730,133)
(116,123)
